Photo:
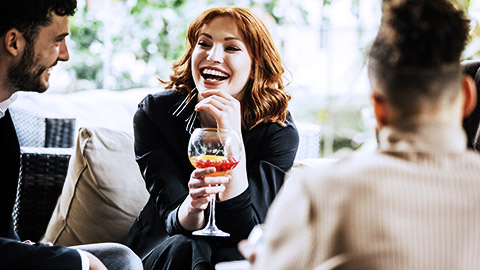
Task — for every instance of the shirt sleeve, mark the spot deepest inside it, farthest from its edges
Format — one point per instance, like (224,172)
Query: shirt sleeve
(85,259)
(18,255)
(288,238)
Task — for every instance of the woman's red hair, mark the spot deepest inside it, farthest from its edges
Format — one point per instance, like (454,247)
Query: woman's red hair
(265,98)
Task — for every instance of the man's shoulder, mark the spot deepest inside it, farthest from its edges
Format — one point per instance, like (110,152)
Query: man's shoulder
(313,169)
(379,168)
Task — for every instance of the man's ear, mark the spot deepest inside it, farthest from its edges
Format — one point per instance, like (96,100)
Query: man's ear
(380,109)
(469,95)
(14,42)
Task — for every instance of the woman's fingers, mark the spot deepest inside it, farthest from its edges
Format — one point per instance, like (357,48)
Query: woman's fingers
(201,196)
(223,107)
(219,93)
(205,191)
(201,186)
(198,173)
(215,101)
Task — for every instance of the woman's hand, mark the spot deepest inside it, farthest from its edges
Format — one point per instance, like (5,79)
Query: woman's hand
(223,107)
(200,186)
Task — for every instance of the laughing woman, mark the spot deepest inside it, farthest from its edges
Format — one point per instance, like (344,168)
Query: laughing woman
(230,77)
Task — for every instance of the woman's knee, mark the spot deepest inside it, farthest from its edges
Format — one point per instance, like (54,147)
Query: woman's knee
(181,243)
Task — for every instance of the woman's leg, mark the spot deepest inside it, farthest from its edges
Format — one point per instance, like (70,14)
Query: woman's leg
(179,252)
(202,266)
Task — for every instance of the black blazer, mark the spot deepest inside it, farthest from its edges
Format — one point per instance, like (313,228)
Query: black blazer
(9,168)
(13,253)
(161,141)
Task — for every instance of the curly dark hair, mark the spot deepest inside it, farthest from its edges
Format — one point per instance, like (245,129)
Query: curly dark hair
(28,15)
(416,53)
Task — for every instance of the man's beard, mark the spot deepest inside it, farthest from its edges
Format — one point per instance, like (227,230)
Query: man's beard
(22,77)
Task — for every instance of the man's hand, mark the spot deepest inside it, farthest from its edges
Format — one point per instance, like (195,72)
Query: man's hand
(28,242)
(95,263)
(247,250)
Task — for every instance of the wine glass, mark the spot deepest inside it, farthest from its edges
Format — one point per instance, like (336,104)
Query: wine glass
(219,148)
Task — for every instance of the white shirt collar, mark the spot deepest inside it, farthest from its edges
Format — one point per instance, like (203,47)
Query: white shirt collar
(5,104)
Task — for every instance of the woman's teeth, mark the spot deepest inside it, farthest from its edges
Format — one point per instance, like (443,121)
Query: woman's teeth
(214,75)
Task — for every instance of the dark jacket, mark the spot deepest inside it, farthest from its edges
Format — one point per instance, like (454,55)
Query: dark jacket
(13,253)
(161,140)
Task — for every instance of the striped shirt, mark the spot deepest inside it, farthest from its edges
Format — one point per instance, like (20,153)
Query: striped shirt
(412,204)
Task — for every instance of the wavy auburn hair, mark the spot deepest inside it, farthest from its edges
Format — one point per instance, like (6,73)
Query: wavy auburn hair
(265,98)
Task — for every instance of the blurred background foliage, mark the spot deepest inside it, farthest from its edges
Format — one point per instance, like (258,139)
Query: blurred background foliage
(123,44)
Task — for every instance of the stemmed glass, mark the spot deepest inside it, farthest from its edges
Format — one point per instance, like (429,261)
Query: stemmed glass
(219,148)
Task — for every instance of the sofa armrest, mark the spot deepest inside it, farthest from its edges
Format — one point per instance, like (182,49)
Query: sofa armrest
(42,174)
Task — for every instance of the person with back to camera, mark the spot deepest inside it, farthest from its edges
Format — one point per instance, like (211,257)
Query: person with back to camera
(229,77)
(33,41)
(415,202)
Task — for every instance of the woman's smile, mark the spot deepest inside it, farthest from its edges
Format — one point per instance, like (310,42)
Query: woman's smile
(220,59)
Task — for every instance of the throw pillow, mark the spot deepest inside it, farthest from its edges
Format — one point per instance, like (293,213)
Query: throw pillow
(103,191)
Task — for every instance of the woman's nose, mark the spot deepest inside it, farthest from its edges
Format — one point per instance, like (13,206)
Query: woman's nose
(215,54)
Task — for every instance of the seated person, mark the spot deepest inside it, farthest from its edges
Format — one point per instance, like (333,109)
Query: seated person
(415,202)
(33,41)
(230,77)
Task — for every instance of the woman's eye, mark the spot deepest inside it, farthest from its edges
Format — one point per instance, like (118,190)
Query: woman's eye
(232,49)
(203,44)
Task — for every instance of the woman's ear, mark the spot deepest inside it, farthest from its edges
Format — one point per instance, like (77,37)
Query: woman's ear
(14,42)
(469,95)
(380,109)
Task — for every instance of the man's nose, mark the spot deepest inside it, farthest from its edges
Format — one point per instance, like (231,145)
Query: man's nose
(63,54)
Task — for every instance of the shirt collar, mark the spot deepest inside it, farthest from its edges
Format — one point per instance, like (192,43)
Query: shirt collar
(6,103)
(423,136)
(185,110)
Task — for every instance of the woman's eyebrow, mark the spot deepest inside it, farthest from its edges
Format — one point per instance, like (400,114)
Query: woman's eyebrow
(206,35)
(226,38)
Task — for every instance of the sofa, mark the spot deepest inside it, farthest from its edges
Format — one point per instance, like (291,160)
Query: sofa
(66,141)
(79,182)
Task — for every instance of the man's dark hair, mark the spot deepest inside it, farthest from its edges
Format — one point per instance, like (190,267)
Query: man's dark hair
(27,15)
(416,53)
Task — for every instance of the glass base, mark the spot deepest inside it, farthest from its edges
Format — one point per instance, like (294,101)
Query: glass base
(211,231)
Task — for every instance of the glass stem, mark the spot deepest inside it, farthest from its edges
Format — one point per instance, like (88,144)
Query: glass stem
(211,216)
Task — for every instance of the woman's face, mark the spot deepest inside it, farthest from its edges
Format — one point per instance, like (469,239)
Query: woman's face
(220,59)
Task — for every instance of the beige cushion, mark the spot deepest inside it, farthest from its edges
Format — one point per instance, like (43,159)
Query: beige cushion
(103,191)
